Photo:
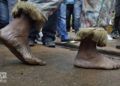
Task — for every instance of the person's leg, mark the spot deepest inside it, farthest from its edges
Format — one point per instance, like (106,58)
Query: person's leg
(11,4)
(49,31)
(76,15)
(118,28)
(116,33)
(68,16)
(47,7)
(33,36)
(4,15)
(119,25)
(61,22)
(71,18)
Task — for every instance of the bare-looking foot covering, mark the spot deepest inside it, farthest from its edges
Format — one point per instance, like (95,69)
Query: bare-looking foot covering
(88,56)
(15,35)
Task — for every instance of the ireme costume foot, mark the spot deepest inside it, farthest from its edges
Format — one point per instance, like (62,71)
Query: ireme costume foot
(15,35)
(88,56)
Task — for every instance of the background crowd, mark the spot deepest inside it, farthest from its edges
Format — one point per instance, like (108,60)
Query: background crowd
(73,14)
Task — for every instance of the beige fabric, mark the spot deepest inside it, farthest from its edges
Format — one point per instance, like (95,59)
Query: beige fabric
(30,10)
(99,35)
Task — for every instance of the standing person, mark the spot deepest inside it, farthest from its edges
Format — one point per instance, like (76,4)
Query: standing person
(49,29)
(67,9)
(73,9)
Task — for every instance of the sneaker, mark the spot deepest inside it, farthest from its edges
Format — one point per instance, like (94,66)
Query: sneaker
(109,37)
(38,41)
(49,44)
(115,35)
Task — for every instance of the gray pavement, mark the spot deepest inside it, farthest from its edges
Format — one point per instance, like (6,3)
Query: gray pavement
(59,70)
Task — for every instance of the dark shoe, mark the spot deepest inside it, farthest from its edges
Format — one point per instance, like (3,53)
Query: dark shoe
(49,44)
(31,43)
(115,35)
(118,46)
(76,31)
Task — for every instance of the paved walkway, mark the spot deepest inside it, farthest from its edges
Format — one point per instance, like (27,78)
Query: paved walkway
(59,70)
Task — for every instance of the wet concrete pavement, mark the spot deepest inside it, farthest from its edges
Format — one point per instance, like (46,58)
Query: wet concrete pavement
(59,70)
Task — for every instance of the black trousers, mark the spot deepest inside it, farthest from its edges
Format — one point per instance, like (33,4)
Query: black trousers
(70,12)
(49,29)
(117,24)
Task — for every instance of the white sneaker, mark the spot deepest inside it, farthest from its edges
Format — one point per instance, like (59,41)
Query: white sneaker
(109,37)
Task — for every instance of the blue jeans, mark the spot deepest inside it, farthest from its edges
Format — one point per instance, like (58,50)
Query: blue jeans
(64,15)
(11,4)
(5,11)
(74,10)
(61,22)
(77,14)
(4,14)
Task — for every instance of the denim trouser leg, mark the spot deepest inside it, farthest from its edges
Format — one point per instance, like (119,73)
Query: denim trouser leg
(77,13)
(61,22)
(11,4)
(4,15)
